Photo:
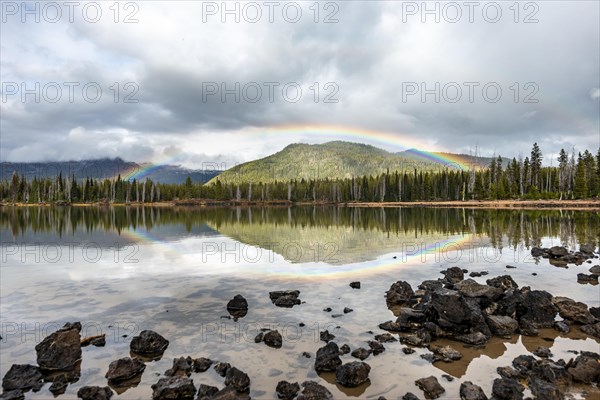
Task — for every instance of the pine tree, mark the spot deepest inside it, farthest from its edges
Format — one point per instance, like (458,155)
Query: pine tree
(581,188)
(536,165)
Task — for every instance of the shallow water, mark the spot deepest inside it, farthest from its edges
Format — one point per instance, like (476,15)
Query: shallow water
(121,270)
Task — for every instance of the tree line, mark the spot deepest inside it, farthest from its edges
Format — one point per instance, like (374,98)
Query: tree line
(575,177)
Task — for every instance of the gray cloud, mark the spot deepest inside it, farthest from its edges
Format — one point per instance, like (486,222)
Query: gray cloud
(370,54)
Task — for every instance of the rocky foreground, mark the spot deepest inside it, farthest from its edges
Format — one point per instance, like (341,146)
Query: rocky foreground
(454,307)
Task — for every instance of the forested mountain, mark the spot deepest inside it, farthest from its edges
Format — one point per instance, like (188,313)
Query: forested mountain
(104,168)
(341,160)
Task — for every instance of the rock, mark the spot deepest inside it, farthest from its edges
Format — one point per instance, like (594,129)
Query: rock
(313,391)
(336,315)
(550,371)
(572,310)
(561,326)
(306,354)
(447,353)
(206,392)
(430,386)
(286,390)
(237,379)
(175,387)
(584,279)
(587,249)
(458,315)
(149,343)
(523,363)
(345,349)
(592,329)
(94,393)
(399,294)
(586,368)
(61,350)
(361,353)
(511,267)
(385,338)
(352,374)
(545,390)
(453,275)
(328,309)
(22,377)
(410,396)
(502,325)
(238,306)
(538,252)
(537,308)
(595,270)
(98,341)
(507,389)
(595,311)
(510,373)
(476,274)
(328,358)
(326,336)
(273,339)
(470,391)
(543,352)
(447,377)
(471,288)
(124,369)
(222,368)
(12,395)
(201,364)
(355,285)
(503,282)
(408,350)
(227,393)
(182,366)
(376,347)
(347,310)
(59,384)
(431,285)
(558,251)
(285,298)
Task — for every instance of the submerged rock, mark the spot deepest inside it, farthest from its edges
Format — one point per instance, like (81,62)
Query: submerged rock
(592,329)
(328,358)
(430,386)
(470,391)
(352,374)
(124,369)
(60,350)
(385,338)
(94,393)
(326,336)
(376,347)
(149,343)
(22,377)
(285,298)
(175,387)
(361,353)
(311,390)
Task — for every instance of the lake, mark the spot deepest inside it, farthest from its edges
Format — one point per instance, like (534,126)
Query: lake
(120,270)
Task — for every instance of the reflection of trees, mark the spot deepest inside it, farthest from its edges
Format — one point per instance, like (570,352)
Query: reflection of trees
(515,227)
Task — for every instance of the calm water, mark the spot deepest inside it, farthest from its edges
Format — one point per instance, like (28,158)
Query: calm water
(120,270)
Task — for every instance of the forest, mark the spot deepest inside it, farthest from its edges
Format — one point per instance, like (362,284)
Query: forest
(575,177)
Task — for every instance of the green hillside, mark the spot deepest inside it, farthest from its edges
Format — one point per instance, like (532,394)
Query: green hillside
(332,160)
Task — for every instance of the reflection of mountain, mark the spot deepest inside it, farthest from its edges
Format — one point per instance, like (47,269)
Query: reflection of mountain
(336,245)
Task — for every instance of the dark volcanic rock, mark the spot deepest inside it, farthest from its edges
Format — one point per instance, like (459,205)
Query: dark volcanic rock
(124,369)
(595,311)
(502,325)
(273,339)
(376,347)
(545,390)
(408,350)
(149,343)
(175,387)
(507,389)
(447,353)
(543,352)
(537,308)
(237,379)
(23,377)
(523,363)
(453,275)
(286,390)
(285,298)
(311,390)
(410,396)
(471,288)
(94,393)
(326,336)
(60,350)
(12,395)
(352,374)
(399,294)
(182,366)
(552,372)
(201,364)
(227,393)
(347,310)
(222,368)
(328,358)
(573,311)
(584,278)
(558,251)
(470,391)
(385,338)
(586,368)
(355,285)
(592,329)
(344,349)
(430,386)
(238,306)
(361,353)
(587,249)
(503,282)
(206,392)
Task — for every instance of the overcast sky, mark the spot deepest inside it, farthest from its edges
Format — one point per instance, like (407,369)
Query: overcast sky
(374,61)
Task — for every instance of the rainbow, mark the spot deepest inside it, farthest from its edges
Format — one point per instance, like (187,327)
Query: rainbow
(308,133)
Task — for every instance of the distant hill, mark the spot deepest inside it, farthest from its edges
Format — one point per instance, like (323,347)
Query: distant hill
(338,160)
(106,168)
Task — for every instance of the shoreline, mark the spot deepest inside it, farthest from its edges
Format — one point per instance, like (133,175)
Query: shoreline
(591,204)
